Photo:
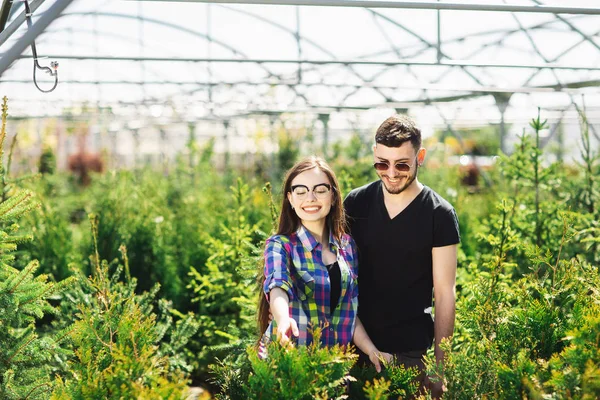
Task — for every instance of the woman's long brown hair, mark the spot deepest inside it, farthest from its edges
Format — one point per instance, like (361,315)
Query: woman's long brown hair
(289,221)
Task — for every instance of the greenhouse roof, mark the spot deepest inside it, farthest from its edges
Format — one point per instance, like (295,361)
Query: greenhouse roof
(449,63)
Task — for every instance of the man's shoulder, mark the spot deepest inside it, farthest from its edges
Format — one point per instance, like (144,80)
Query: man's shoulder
(364,191)
(435,199)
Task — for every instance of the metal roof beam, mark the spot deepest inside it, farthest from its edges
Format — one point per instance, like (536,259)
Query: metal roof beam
(448,63)
(36,29)
(485,89)
(12,28)
(289,31)
(4,13)
(574,28)
(421,5)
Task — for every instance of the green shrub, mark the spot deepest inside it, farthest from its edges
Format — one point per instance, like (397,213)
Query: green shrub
(394,382)
(511,336)
(224,289)
(116,342)
(25,356)
(288,372)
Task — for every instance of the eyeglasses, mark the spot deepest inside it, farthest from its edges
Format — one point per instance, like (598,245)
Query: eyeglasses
(385,165)
(321,191)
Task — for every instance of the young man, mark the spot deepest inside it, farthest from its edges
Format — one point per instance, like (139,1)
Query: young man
(407,237)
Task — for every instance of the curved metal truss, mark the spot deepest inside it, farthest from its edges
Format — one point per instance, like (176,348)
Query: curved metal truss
(184,61)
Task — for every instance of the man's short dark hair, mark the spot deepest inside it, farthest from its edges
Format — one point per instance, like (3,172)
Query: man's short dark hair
(398,129)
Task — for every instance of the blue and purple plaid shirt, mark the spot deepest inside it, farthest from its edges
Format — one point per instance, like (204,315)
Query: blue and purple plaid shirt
(294,264)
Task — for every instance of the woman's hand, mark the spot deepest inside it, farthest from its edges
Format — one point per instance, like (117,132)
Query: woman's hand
(286,328)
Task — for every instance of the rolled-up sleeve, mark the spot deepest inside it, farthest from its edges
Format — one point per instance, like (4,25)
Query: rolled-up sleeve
(352,259)
(277,274)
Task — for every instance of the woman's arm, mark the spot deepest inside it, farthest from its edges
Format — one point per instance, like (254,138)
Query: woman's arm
(363,342)
(278,288)
(286,326)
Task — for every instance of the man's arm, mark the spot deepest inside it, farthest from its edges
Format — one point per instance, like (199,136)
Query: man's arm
(444,291)
(362,340)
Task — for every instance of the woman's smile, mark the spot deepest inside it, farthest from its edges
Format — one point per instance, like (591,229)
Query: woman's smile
(312,209)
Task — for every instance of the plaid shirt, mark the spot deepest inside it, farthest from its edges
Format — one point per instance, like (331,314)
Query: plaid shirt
(306,281)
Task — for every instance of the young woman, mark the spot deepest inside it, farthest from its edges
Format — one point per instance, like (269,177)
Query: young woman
(311,266)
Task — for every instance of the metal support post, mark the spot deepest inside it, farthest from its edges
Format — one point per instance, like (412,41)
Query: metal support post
(439,36)
(324,118)
(226,149)
(502,100)
(275,148)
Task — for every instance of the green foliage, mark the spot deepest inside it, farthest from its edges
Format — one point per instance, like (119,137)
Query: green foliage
(53,244)
(288,153)
(224,288)
(229,374)
(534,194)
(377,390)
(583,194)
(274,213)
(301,373)
(527,308)
(352,162)
(116,342)
(140,217)
(25,356)
(508,357)
(289,372)
(476,141)
(537,192)
(394,382)
(507,331)
(575,372)
(47,164)
(306,372)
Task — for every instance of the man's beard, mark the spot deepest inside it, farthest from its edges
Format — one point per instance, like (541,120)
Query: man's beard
(398,190)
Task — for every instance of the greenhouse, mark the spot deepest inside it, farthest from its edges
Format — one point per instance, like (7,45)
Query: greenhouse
(148,150)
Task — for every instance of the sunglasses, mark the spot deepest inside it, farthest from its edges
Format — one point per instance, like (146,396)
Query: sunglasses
(384,166)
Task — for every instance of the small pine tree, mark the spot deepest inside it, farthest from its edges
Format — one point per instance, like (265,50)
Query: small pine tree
(224,288)
(47,164)
(24,356)
(116,340)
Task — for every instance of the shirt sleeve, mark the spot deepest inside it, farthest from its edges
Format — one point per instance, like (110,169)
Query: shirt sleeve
(446,231)
(277,273)
(352,259)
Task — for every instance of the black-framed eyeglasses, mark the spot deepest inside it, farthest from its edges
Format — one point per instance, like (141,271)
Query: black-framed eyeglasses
(385,165)
(321,191)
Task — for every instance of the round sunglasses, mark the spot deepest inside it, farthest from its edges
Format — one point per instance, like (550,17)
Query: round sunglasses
(382,166)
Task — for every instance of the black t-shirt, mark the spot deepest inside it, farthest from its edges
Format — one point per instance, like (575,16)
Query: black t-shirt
(395,264)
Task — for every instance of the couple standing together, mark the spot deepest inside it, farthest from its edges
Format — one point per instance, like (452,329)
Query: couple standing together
(400,235)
